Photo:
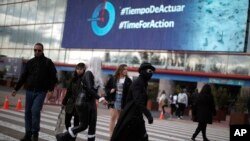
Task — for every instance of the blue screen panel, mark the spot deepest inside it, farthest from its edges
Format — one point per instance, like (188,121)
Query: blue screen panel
(190,25)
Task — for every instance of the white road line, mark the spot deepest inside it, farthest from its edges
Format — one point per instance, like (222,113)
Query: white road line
(22,129)
(7,138)
(159,131)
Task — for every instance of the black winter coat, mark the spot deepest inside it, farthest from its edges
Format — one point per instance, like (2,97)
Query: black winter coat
(131,125)
(111,84)
(39,74)
(204,108)
(89,86)
(72,93)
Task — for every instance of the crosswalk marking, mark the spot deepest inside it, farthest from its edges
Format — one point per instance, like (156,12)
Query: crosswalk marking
(5,137)
(22,129)
(161,130)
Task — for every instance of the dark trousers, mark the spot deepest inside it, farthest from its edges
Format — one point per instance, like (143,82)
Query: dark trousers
(68,117)
(87,113)
(181,109)
(33,106)
(173,109)
(201,127)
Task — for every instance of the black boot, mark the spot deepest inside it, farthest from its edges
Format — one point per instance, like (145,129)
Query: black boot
(35,137)
(27,137)
(64,137)
(73,139)
(91,139)
(205,139)
(193,139)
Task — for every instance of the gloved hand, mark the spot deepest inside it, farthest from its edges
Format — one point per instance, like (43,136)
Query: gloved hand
(150,120)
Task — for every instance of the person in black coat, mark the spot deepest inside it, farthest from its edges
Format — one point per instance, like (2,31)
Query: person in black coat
(204,109)
(131,125)
(117,90)
(39,77)
(71,95)
(86,103)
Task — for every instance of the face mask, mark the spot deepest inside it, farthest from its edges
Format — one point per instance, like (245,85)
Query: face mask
(146,74)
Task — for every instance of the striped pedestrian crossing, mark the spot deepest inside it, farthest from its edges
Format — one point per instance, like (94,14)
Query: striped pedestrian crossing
(161,130)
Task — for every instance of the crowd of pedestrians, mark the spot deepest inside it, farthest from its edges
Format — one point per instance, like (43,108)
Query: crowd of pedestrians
(126,100)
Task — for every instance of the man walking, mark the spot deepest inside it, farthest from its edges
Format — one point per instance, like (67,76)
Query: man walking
(40,78)
(182,100)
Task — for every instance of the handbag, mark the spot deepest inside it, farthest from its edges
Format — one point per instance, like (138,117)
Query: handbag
(60,122)
(81,97)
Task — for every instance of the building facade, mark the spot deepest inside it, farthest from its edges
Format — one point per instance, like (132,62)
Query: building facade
(25,22)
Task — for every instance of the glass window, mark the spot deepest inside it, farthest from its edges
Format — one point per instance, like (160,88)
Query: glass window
(11,1)
(13,37)
(46,30)
(60,10)
(3,1)
(32,12)
(111,58)
(1,35)
(56,36)
(2,14)
(6,36)
(41,11)
(195,62)
(43,34)
(53,54)
(8,52)
(29,39)
(20,37)
(216,63)
(9,14)
(62,56)
(126,58)
(50,11)
(238,65)
(98,53)
(25,53)
(24,13)
(73,56)
(17,13)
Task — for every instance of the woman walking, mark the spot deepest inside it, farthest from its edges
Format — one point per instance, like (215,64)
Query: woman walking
(117,90)
(204,109)
(86,103)
(71,95)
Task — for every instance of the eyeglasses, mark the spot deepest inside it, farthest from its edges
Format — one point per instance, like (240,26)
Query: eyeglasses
(37,50)
(149,71)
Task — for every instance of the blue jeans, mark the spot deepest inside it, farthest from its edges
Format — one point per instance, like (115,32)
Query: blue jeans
(33,106)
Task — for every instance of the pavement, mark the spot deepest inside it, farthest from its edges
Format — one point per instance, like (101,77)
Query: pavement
(102,110)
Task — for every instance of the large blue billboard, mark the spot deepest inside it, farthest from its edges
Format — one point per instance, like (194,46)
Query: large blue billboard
(190,25)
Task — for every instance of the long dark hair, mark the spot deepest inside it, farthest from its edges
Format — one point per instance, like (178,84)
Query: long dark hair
(79,65)
(119,71)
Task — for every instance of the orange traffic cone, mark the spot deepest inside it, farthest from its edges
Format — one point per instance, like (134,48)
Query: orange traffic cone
(6,103)
(19,104)
(162,116)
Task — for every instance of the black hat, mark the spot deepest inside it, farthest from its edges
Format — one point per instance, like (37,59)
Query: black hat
(145,66)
